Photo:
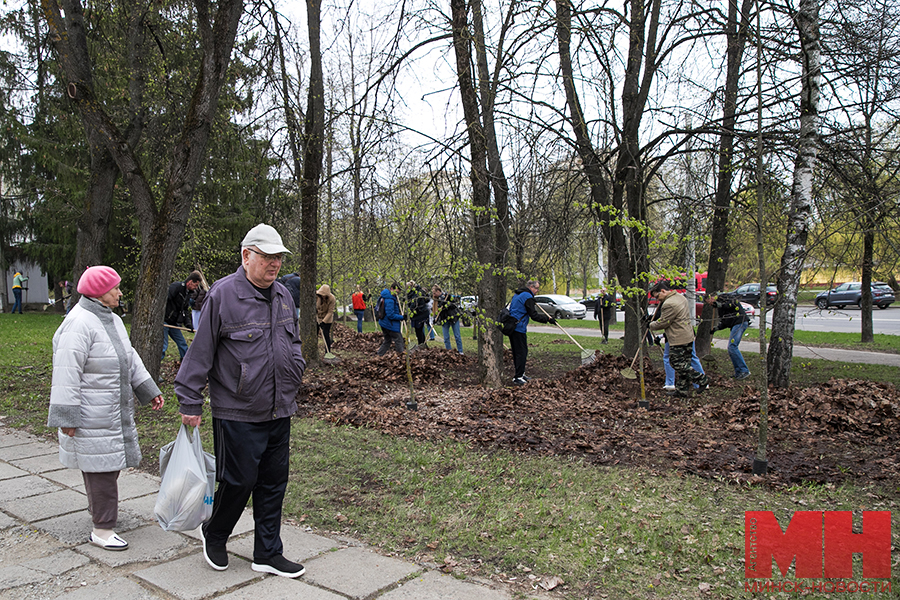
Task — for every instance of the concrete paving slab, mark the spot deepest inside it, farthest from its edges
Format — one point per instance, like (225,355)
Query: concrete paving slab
(133,484)
(244,525)
(17,575)
(68,477)
(357,572)
(120,588)
(439,586)
(39,464)
(141,507)
(23,487)
(144,544)
(58,563)
(299,545)
(45,506)
(75,528)
(280,587)
(27,450)
(6,521)
(14,437)
(7,471)
(190,578)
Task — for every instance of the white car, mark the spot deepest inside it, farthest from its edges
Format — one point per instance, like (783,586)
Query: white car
(559,306)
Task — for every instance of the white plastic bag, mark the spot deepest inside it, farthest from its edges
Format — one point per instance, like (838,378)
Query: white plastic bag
(185,496)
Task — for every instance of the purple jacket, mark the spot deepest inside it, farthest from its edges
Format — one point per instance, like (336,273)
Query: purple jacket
(248,351)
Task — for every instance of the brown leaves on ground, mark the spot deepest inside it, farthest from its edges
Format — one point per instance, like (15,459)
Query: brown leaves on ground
(839,430)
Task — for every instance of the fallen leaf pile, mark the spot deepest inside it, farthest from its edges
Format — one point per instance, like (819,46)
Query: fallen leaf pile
(837,431)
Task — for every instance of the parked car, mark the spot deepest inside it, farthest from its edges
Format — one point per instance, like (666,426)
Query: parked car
(851,293)
(749,293)
(559,306)
(467,305)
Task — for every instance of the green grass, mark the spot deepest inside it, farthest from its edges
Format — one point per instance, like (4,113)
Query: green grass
(606,532)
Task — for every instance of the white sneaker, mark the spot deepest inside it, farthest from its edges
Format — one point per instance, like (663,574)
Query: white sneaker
(113,542)
(669,388)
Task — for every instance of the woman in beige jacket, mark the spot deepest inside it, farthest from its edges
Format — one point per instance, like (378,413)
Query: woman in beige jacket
(325,306)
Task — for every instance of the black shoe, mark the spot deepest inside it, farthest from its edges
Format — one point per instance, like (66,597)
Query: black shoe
(703,385)
(278,565)
(519,381)
(679,394)
(526,377)
(216,556)
(741,376)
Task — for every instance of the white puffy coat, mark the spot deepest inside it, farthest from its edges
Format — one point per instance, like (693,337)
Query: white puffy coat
(95,369)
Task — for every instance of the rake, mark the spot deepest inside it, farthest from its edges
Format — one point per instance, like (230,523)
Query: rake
(587,356)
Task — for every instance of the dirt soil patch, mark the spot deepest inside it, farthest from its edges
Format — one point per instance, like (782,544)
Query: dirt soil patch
(842,430)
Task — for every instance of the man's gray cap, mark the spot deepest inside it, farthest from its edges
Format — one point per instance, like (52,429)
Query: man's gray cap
(266,239)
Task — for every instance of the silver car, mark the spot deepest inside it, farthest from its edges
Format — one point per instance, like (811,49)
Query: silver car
(559,306)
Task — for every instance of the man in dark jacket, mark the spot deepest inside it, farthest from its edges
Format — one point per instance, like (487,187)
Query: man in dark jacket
(247,350)
(522,308)
(417,302)
(390,324)
(732,316)
(178,312)
(605,311)
(292,282)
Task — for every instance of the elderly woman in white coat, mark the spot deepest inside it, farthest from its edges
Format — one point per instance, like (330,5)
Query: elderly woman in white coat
(96,377)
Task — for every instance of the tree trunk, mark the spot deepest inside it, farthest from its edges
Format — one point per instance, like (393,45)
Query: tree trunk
(481,192)
(492,358)
(313,150)
(782,340)
(865,300)
(161,224)
(719,250)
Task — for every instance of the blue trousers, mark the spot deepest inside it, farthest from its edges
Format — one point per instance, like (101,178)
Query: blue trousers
(252,459)
(734,350)
(455,326)
(177,336)
(359,319)
(17,293)
(670,372)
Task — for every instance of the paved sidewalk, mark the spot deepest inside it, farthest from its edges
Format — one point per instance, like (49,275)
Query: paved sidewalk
(44,526)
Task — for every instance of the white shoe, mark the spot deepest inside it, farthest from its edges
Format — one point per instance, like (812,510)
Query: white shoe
(669,388)
(113,542)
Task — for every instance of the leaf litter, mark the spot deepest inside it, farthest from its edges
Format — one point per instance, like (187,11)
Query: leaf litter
(841,430)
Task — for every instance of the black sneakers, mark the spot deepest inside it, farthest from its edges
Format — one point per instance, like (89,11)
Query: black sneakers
(278,565)
(216,556)
(519,381)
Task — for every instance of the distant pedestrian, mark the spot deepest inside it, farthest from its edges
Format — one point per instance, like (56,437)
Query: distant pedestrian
(325,306)
(292,282)
(177,315)
(196,299)
(674,319)
(522,308)
(732,316)
(96,375)
(605,312)
(65,292)
(448,313)
(417,301)
(358,299)
(391,321)
(19,283)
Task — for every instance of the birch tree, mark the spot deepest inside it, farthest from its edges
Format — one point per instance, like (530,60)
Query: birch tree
(780,355)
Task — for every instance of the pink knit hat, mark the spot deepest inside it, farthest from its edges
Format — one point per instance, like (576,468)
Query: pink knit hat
(96,281)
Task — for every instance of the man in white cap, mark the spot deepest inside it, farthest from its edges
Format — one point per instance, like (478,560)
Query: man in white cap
(247,350)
